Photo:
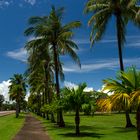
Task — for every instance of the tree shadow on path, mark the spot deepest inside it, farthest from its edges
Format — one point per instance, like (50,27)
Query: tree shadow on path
(83,134)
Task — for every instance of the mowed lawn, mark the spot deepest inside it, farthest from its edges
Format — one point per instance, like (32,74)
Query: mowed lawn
(103,127)
(9,126)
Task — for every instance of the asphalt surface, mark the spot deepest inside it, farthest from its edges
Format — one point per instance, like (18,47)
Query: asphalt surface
(4,113)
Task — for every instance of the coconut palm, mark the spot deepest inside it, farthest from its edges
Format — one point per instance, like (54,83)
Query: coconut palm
(49,30)
(103,10)
(74,99)
(17,90)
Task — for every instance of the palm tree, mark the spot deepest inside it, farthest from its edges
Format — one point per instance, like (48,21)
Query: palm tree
(123,11)
(17,90)
(103,10)
(49,30)
(74,99)
(122,93)
(127,92)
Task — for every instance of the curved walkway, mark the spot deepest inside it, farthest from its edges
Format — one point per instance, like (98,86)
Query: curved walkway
(32,130)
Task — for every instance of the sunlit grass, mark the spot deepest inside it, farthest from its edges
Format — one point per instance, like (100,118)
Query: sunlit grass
(103,127)
(10,125)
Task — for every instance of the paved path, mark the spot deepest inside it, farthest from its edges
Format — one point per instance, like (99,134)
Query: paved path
(4,113)
(32,130)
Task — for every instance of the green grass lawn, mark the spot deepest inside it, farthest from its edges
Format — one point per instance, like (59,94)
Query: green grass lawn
(103,127)
(9,126)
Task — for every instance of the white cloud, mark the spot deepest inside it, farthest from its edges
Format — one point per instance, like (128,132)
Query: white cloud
(32,2)
(82,41)
(87,41)
(75,86)
(130,40)
(70,85)
(20,54)
(111,64)
(105,91)
(136,44)
(108,41)
(4,3)
(4,89)
(88,89)
(27,95)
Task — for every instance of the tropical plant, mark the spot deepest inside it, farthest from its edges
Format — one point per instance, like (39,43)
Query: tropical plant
(122,92)
(126,91)
(50,32)
(17,90)
(74,99)
(103,10)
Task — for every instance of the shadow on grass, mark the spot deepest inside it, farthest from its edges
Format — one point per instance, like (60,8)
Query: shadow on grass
(69,127)
(124,130)
(105,114)
(20,117)
(83,134)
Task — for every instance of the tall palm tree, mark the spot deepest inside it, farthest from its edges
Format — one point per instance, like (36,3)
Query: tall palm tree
(17,90)
(103,10)
(49,30)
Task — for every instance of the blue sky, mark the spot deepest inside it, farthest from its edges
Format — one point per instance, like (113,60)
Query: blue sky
(98,63)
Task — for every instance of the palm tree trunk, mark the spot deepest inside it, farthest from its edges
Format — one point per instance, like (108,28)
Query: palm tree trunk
(19,106)
(60,120)
(119,42)
(52,118)
(17,109)
(128,120)
(46,101)
(138,122)
(0,107)
(77,121)
(43,102)
(46,89)
(39,104)
(118,25)
(50,100)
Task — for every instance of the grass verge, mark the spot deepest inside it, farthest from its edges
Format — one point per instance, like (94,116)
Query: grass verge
(10,125)
(103,127)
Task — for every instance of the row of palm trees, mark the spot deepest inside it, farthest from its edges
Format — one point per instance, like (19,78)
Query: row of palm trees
(52,39)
